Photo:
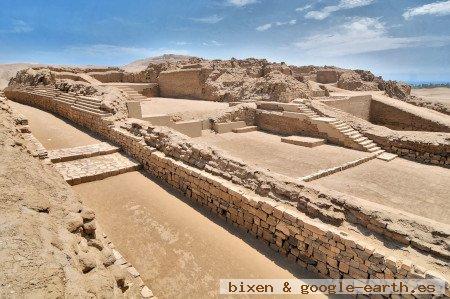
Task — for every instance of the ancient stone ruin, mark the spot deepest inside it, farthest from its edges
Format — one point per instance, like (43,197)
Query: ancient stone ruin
(335,170)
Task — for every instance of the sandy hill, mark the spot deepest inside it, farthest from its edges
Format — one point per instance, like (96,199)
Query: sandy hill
(7,71)
(142,64)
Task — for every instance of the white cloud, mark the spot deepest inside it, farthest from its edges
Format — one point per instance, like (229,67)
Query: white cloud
(270,25)
(17,26)
(303,8)
(362,35)
(264,27)
(343,4)
(212,43)
(208,20)
(435,8)
(241,3)
(180,43)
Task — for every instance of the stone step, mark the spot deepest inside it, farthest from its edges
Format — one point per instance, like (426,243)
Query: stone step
(102,113)
(95,168)
(374,149)
(365,142)
(63,101)
(354,134)
(343,127)
(386,156)
(80,152)
(347,130)
(96,110)
(370,145)
(86,104)
(361,139)
(245,129)
(89,100)
(303,141)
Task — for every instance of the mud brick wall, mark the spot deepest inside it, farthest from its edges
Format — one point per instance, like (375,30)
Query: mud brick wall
(398,119)
(275,122)
(186,83)
(117,76)
(358,106)
(309,243)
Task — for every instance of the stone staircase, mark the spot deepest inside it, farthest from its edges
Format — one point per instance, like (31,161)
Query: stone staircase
(367,144)
(131,93)
(84,104)
(336,130)
(89,105)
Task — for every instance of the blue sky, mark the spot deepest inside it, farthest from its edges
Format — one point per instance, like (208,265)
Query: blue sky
(399,39)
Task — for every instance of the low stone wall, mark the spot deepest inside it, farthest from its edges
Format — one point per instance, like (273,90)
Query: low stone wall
(398,119)
(214,181)
(426,149)
(185,83)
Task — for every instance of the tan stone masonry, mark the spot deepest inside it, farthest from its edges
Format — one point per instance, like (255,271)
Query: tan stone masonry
(322,248)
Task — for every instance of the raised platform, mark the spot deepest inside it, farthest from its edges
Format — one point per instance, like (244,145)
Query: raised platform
(303,141)
(95,168)
(245,129)
(80,152)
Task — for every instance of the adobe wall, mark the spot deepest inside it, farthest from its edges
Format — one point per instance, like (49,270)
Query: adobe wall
(398,119)
(217,183)
(118,76)
(185,83)
(276,122)
(358,106)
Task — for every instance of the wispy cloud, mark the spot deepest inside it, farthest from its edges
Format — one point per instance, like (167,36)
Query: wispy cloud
(180,43)
(212,43)
(208,20)
(435,8)
(362,35)
(342,5)
(105,49)
(303,8)
(241,3)
(17,27)
(275,24)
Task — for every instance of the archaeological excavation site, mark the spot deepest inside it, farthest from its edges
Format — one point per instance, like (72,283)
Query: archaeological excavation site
(159,181)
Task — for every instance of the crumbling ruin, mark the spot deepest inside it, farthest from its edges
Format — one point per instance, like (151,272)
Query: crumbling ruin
(347,120)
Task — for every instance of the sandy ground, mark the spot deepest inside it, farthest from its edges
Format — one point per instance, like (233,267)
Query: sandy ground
(415,188)
(186,109)
(438,94)
(177,248)
(51,131)
(268,152)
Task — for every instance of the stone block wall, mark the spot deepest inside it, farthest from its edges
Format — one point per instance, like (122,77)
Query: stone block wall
(185,83)
(322,248)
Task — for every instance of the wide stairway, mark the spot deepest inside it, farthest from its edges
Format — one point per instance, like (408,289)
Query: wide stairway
(81,103)
(91,162)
